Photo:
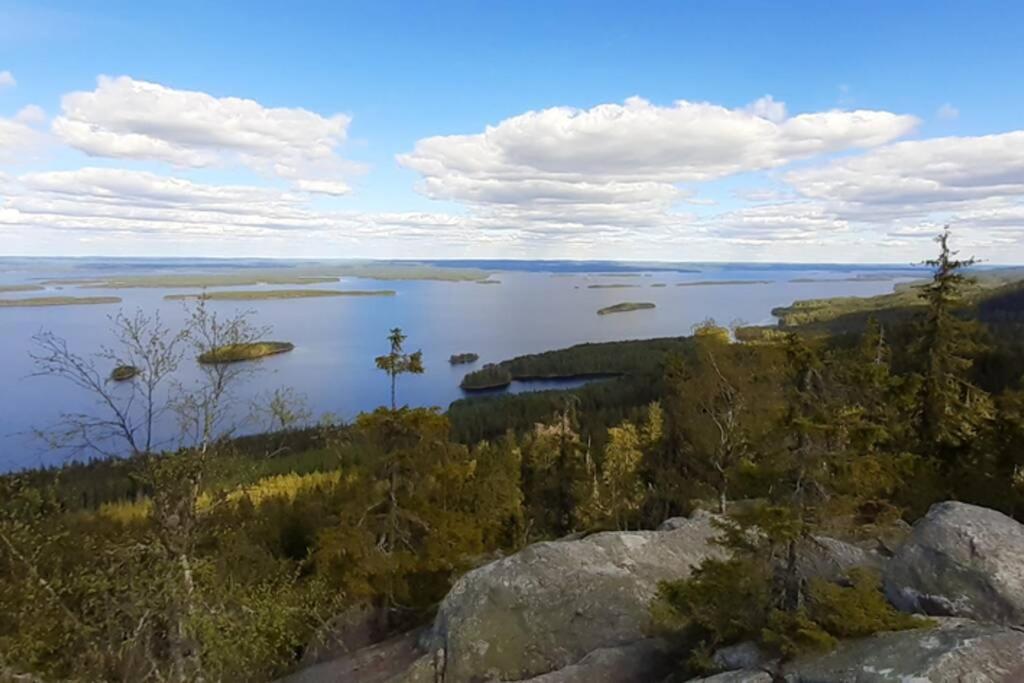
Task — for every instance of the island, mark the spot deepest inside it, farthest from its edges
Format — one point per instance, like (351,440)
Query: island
(59,301)
(487,282)
(709,283)
(123,373)
(615,286)
(463,358)
(308,274)
(234,353)
(21,288)
(625,307)
(490,376)
(265,294)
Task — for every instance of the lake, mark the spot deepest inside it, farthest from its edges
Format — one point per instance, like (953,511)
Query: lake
(537,306)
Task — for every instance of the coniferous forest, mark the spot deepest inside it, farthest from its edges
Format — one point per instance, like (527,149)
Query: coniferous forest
(227,557)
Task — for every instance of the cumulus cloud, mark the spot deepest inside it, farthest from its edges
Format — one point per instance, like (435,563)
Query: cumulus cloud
(19,140)
(131,119)
(7,79)
(920,176)
(621,169)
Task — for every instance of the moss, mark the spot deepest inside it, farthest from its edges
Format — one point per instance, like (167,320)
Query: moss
(233,353)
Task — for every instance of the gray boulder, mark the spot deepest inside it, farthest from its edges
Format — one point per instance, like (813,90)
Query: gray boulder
(961,560)
(550,605)
(957,651)
(640,662)
(830,559)
(745,655)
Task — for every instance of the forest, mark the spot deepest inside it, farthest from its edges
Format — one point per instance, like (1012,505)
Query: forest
(225,557)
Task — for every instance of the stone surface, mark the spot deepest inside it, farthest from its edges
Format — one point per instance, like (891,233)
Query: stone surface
(744,676)
(745,655)
(957,651)
(353,629)
(639,662)
(392,660)
(551,604)
(961,560)
(830,559)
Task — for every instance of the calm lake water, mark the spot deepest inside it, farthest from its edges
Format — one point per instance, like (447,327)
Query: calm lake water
(536,307)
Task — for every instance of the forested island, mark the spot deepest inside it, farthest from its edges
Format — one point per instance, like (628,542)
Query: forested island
(625,307)
(463,358)
(720,495)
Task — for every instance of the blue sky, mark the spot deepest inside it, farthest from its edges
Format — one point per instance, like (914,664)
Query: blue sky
(915,110)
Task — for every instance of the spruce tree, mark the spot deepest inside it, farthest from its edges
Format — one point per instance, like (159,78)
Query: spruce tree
(952,409)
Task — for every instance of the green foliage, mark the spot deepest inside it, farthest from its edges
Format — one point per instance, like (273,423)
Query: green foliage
(857,610)
(397,362)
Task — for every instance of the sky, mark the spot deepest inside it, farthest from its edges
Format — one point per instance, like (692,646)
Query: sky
(687,131)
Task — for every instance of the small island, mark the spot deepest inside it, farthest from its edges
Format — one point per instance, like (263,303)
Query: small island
(711,283)
(490,376)
(59,301)
(21,288)
(463,358)
(234,353)
(615,286)
(266,294)
(625,307)
(123,373)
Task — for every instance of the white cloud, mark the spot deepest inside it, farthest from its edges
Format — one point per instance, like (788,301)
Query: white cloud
(18,139)
(30,115)
(920,176)
(336,188)
(616,166)
(947,112)
(7,79)
(131,119)
(767,108)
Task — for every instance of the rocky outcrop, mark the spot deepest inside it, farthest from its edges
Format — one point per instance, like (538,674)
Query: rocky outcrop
(745,655)
(640,662)
(550,605)
(955,651)
(961,560)
(826,558)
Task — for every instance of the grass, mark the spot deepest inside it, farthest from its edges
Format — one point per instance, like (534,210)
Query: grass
(262,294)
(21,288)
(59,301)
(625,307)
(234,353)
